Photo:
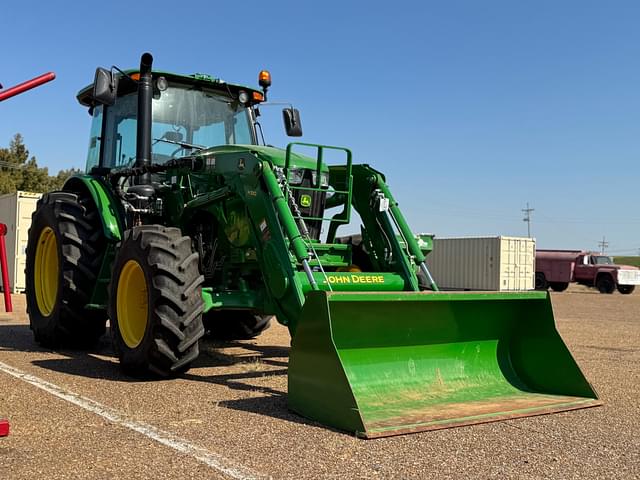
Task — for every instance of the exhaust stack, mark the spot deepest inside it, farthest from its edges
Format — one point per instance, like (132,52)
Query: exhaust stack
(145,96)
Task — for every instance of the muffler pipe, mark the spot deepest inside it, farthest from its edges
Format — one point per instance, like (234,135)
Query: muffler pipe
(145,97)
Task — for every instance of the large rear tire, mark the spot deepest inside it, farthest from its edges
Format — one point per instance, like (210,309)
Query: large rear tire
(235,325)
(626,289)
(155,302)
(64,254)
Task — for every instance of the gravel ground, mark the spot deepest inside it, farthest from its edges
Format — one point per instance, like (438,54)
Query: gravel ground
(233,404)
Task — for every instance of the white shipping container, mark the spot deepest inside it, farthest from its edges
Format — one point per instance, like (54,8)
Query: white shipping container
(15,212)
(483,263)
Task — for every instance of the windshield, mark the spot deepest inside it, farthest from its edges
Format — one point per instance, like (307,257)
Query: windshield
(600,260)
(185,118)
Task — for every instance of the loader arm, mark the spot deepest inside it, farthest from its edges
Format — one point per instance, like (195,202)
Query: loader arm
(289,260)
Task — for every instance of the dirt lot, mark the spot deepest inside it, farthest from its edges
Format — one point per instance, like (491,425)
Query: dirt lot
(74,415)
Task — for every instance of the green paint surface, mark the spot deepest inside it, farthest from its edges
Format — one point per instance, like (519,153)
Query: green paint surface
(107,205)
(385,363)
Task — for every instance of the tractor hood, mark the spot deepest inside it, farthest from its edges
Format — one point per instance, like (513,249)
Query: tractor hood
(275,156)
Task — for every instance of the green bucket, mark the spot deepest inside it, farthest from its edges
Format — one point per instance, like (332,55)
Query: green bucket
(381,364)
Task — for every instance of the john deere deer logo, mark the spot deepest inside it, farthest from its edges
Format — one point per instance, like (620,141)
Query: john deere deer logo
(305,201)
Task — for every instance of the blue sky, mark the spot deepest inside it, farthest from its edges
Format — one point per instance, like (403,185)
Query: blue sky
(471,109)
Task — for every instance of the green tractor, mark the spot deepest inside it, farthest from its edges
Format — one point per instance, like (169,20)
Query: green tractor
(185,222)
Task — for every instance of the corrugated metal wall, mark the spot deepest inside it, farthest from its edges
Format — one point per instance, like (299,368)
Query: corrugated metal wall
(15,212)
(517,263)
(483,263)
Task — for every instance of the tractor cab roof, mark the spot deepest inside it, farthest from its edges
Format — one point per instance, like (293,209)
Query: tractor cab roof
(197,79)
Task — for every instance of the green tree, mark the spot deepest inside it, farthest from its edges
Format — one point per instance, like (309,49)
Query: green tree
(11,161)
(57,181)
(19,172)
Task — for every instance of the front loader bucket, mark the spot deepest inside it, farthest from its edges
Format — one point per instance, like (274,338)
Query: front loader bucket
(381,364)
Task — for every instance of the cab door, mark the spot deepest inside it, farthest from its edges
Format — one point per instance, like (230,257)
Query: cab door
(583,269)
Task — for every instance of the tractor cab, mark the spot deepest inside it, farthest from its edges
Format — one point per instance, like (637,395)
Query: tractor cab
(189,113)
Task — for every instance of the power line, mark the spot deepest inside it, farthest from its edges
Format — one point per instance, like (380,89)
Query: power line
(448,209)
(630,251)
(5,164)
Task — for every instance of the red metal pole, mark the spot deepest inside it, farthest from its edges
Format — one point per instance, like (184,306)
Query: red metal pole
(4,428)
(5,271)
(28,85)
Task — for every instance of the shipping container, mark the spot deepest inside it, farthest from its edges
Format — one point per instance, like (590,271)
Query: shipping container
(15,212)
(483,263)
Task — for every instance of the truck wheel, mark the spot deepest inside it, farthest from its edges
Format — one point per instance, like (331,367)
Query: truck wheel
(559,286)
(605,284)
(626,289)
(64,254)
(541,281)
(155,302)
(235,325)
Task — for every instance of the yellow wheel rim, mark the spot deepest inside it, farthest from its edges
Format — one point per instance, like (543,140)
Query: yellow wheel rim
(132,304)
(46,271)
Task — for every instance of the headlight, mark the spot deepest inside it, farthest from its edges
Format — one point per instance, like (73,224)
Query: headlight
(324,178)
(295,176)
(243,97)
(162,84)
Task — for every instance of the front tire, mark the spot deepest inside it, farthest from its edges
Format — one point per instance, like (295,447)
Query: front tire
(626,289)
(155,302)
(64,254)
(605,284)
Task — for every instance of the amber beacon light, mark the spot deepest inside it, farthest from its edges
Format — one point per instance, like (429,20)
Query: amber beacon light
(264,79)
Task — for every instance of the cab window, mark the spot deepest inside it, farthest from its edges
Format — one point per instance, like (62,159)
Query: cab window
(93,155)
(185,119)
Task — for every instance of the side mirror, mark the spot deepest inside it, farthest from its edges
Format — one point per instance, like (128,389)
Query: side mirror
(105,87)
(292,125)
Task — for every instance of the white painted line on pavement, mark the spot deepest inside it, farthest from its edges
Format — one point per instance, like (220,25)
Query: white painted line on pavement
(213,460)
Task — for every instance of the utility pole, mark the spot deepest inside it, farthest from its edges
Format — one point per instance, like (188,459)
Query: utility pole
(527,218)
(603,244)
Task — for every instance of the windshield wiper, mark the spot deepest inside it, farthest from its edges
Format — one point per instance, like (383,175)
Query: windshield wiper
(182,144)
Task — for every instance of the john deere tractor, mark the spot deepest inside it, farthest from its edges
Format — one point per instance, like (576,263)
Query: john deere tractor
(186,222)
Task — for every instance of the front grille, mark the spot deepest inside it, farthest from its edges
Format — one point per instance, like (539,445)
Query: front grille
(628,277)
(311,204)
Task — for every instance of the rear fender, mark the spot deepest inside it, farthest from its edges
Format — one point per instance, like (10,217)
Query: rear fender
(107,204)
